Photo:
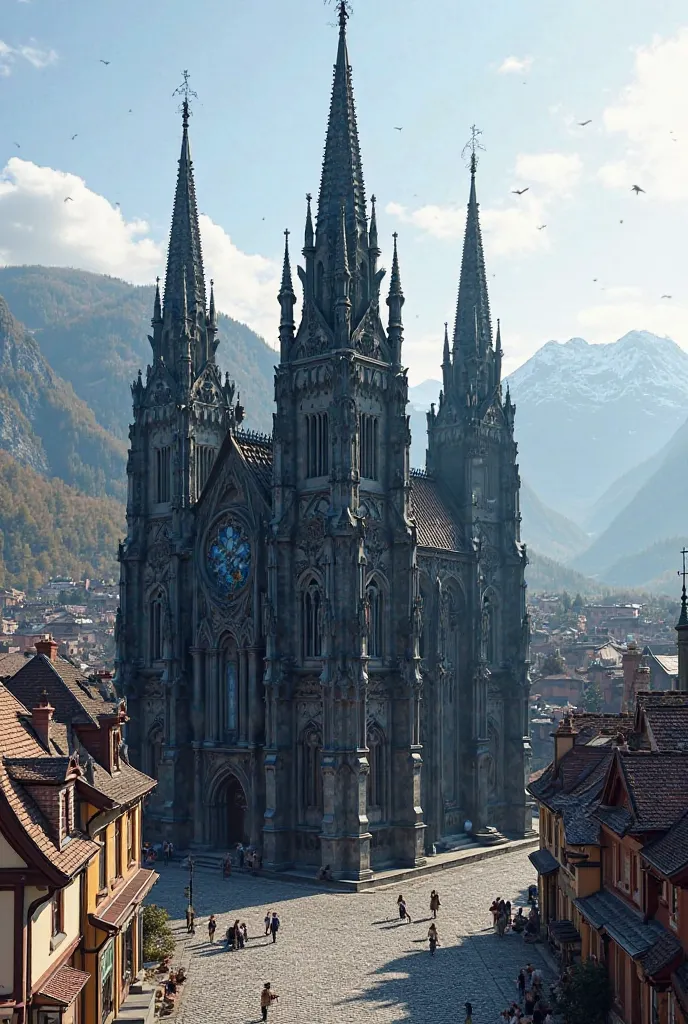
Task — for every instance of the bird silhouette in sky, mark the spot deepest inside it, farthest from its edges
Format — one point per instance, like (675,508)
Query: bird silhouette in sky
(519,191)
(620,222)
(106,62)
(17,145)
(594,280)
(666,296)
(75,136)
(541,227)
(68,199)
(397,129)
(582,124)
(637,189)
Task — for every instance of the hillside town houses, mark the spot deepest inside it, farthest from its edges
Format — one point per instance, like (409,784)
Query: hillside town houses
(613,857)
(71,880)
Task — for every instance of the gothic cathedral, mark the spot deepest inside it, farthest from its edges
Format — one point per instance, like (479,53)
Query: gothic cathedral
(324,652)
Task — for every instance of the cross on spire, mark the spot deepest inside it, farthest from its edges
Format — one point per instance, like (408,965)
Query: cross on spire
(186,91)
(472,147)
(683,572)
(344,11)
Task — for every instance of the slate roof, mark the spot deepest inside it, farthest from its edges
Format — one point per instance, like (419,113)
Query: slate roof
(37,769)
(75,699)
(628,928)
(669,853)
(658,787)
(113,912)
(20,743)
(589,725)
(435,524)
(11,663)
(543,862)
(63,985)
(124,785)
(257,450)
(667,726)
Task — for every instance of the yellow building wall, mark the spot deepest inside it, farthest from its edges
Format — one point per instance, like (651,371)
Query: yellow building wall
(41,955)
(6,941)
(8,857)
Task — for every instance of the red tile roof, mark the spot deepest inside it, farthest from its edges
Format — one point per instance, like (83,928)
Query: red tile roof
(658,788)
(114,912)
(63,985)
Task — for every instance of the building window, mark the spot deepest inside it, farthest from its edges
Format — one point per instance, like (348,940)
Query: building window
(107,961)
(376,772)
(317,444)
(156,628)
(115,750)
(205,457)
(163,461)
(312,773)
(118,848)
(231,679)
(57,913)
(368,447)
(375,619)
(102,866)
(312,621)
(131,853)
(664,892)
(128,952)
(65,828)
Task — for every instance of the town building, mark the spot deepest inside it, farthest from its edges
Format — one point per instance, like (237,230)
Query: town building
(324,653)
(71,883)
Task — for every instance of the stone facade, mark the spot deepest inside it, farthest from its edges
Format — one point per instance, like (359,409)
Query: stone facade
(323,652)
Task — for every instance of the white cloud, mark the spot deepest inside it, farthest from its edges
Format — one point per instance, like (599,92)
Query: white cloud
(652,114)
(611,320)
(515,66)
(38,226)
(520,226)
(34,55)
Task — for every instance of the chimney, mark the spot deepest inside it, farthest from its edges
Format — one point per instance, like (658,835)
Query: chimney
(41,717)
(564,739)
(631,662)
(47,647)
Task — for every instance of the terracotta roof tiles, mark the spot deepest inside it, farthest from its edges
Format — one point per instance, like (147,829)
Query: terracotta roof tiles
(658,786)
(435,525)
(63,985)
(113,913)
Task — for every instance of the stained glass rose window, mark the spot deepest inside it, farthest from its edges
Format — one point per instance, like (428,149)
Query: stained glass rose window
(229,558)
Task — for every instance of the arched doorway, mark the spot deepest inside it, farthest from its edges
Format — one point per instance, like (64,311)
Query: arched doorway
(229,814)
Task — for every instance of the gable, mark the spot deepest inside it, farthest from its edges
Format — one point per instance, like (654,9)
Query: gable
(9,858)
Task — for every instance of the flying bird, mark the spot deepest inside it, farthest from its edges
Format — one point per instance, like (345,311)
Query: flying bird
(116,204)
(397,129)
(541,227)
(519,191)
(637,189)
(594,280)
(583,123)
(68,199)
(666,296)
(104,61)
(17,145)
(620,222)
(74,136)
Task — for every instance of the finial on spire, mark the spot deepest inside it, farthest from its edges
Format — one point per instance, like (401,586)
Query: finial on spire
(308,235)
(372,231)
(212,315)
(344,12)
(286,266)
(395,278)
(683,618)
(185,90)
(446,358)
(472,147)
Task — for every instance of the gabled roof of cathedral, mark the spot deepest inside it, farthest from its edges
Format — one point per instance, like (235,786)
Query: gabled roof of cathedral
(342,172)
(184,257)
(435,525)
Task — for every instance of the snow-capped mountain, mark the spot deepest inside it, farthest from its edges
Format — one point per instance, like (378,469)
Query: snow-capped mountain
(586,414)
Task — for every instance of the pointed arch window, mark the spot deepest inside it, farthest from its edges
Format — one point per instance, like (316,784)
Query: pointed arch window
(163,474)
(317,444)
(368,447)
(311,776)
(375,602)
(377,768)
(155,620)
(312,620)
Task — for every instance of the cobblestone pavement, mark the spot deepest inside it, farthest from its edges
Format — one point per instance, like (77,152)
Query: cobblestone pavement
(345,956)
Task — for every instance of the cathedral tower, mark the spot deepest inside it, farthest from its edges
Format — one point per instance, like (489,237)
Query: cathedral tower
(182,412)
(342,581)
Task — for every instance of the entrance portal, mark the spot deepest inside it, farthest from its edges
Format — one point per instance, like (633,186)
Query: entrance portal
(228,814)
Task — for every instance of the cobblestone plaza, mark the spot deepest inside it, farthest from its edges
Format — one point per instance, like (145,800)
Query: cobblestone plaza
(346,956)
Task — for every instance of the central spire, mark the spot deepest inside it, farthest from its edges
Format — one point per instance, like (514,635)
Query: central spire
(184,258)
(472,328)
(342,173)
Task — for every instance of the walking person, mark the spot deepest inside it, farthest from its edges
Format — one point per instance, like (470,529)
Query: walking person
(501,923)
(170,850)
(274,926)
(433,938)
(165,853)
(268,918)
(521,982)
(403,910)
(212,926)
(238,937)
(434,902)
(190,919)
(267,998)
(507,911)
(244,932)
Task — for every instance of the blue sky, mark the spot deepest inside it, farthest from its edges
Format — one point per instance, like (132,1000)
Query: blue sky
(524,73)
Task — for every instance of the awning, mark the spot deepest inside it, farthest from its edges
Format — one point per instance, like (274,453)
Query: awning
(62,986)
(564,933)
(115,912)
(640,938)
(543,862)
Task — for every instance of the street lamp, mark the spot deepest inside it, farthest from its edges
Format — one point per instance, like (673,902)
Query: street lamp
(188,890)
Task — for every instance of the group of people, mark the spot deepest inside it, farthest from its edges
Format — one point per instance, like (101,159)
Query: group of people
(247,858)
(236,935)
(503,921)
(435,904)
(532,1003)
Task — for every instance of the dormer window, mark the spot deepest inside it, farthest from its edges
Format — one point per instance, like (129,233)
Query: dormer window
(66,813)
(115,749)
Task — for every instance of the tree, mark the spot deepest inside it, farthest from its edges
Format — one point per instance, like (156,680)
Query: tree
(592,697)
(578,603)
(587,997)
(158,940)
(566,601)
